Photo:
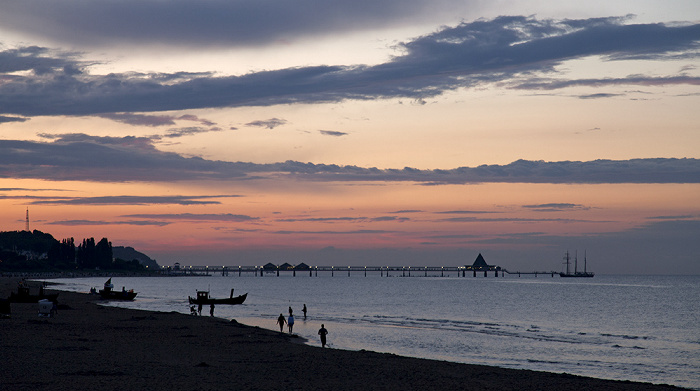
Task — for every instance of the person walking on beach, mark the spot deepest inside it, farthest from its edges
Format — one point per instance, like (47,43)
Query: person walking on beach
(290,323)
(290,311)
(304,311)
(322,332)
(281,321)
(211,310)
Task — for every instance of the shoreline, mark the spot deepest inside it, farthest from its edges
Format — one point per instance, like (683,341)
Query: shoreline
(92,346)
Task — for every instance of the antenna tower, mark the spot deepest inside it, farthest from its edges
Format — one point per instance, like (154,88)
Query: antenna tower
(27,221)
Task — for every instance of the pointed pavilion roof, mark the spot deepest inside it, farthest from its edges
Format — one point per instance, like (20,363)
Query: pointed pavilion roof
(480,262)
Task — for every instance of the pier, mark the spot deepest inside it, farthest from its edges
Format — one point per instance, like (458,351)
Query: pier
(477,268)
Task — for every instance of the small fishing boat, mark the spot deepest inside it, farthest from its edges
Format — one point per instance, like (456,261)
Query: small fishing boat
(108,293)
(23,295)
(576,273)
(203,298)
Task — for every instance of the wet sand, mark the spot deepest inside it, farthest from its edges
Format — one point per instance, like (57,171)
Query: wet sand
(92,347)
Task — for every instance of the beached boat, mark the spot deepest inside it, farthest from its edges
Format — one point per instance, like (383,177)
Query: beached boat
(23,295)
(108,293)
(576,273)
(203,298)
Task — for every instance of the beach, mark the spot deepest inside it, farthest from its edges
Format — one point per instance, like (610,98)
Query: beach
(89,346)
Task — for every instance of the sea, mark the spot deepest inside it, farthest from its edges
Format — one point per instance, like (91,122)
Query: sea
(622,327)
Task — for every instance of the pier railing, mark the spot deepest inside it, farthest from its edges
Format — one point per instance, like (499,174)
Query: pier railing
(404,271)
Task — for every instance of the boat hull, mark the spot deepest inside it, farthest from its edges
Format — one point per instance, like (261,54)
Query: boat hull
(117,295)
(585,274)
(231,301)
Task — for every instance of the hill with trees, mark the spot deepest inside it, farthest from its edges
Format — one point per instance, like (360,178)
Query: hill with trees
(39,251)
(121,252)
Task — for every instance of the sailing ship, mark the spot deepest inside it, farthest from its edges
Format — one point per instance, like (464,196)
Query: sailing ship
(576,273)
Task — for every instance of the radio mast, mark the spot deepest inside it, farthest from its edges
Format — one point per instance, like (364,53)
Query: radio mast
(27,221)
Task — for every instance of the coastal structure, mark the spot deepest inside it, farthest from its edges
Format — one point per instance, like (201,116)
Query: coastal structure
(479,265)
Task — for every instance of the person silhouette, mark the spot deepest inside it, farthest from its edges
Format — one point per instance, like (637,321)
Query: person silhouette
(211,310)
(290,323)
(323,332)
(290,311)
(304,311)
(281,321)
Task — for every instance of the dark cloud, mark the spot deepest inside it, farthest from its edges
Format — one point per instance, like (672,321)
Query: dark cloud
(191,117)
(197,217)
(139,119)
(40,61)
(128,143)
(113,159)
(324,219)
(351,232)
(555,207)
(97,222)
(28,189)
(676,217)
(514,50)
(344,219)
(188,131)
(390,218)
(132,200)
(106,159)
(152,120)
(598,96)
(465,212)
(4,118)
(512,219)
(332,133)
(555,84)
(207,23)
(269,123)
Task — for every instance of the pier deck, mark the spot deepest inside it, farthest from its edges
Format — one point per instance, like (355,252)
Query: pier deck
(405,271)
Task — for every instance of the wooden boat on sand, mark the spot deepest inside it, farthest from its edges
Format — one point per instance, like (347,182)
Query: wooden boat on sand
(108,293)
(203,298)
(23,295)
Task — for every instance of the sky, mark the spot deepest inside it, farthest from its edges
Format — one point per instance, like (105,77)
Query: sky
(391,133)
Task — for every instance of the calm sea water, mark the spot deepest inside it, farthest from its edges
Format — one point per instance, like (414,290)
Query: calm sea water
(640,328)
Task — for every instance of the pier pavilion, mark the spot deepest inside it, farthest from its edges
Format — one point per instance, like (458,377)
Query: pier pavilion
(481,265)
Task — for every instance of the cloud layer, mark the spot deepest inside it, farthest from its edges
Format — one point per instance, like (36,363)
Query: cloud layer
(111,159)
(207,23)
(517,51)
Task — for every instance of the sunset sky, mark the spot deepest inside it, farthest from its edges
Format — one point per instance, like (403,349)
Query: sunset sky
(402,133)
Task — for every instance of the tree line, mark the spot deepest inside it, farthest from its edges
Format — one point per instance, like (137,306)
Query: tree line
(24,250)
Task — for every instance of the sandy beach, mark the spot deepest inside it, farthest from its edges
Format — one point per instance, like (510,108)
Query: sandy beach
(91,347)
